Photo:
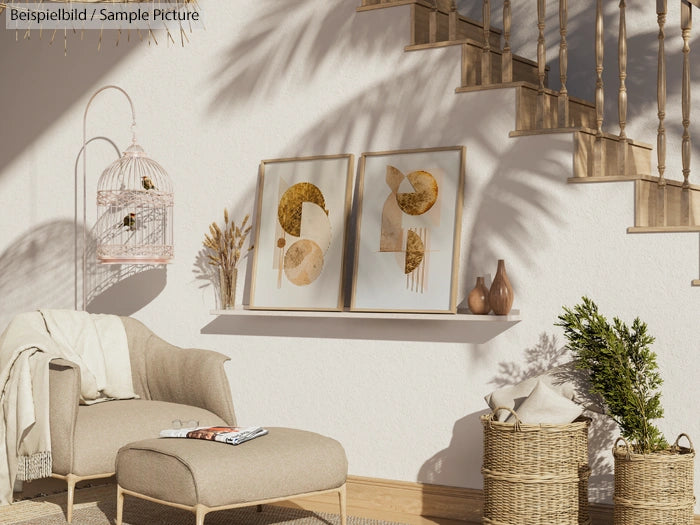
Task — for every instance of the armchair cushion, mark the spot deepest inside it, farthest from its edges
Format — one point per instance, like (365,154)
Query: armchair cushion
(104,428)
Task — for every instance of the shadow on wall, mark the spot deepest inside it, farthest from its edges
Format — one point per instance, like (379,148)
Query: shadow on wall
(281,41)
(50,82)
(34,270)
(254,67)
(123,289)
(642,49)
(465,452)
(119,289)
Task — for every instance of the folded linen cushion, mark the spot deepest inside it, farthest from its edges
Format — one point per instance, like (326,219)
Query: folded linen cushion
(512,396)
(546,406)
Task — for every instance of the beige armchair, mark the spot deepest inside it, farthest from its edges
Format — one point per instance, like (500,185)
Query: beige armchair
(172,382)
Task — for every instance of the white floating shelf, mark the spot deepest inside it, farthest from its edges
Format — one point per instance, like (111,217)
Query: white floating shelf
(464,317)
(390,326)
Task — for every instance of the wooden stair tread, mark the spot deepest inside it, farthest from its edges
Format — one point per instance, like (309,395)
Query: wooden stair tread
(588,131)
(664,229)
(642,177)
(471,42)
(522,84)
(393,3)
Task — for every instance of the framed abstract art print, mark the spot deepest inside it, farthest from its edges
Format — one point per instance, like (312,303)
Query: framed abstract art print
(303,206)
(408,230)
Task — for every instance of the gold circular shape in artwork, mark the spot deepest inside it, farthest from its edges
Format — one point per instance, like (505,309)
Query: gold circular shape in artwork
(303,262)
(415,251)
(289,208)
(424,196)
(281,242)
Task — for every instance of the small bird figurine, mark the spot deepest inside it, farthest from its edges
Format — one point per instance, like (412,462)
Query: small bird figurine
(147,183)
(130,222)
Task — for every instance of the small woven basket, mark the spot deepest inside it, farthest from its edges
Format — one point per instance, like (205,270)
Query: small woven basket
(656,488)
(535,474)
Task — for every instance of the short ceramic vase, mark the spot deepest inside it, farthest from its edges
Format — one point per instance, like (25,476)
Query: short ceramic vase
(478,298)
(501,293)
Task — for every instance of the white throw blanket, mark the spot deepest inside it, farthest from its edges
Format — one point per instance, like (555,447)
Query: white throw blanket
(97,343)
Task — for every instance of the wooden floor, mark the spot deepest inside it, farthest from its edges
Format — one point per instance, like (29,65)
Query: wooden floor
(386,500)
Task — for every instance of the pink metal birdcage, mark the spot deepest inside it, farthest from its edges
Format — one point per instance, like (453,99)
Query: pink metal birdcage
(135,211)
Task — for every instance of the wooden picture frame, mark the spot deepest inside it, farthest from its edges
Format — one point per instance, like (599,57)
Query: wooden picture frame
(408,230)
(302,211)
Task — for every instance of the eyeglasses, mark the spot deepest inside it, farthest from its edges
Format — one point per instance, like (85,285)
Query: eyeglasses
(181,423)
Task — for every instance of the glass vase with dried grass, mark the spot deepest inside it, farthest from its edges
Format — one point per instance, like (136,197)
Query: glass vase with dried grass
(225,252)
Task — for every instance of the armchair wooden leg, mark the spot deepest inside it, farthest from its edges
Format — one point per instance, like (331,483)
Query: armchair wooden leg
(71,480)
(200,511)
(120,505)
(342,496)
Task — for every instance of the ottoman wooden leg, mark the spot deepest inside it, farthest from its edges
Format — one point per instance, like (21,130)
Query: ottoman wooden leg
(342,496)
(120,505)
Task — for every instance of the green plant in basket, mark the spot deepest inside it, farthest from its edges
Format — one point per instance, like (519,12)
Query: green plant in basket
(622,371)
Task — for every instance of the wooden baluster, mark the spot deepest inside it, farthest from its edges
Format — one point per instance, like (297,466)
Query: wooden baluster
(563,99)
(486,54)
(622,95)
(661,10)
(686,25)
(433,23)
(507,57)
(453,21)
(599,93)
(541,62)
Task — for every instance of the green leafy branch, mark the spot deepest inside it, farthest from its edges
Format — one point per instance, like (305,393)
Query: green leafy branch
(622,369)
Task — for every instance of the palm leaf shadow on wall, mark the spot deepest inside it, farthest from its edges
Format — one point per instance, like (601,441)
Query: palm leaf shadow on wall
(38,271)
(282,41)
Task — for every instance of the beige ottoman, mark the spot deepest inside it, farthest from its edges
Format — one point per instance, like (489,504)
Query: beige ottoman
(204,476)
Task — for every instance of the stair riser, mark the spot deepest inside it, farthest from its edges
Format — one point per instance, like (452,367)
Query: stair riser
(420,33)
(682,206)
(580,115)
(471,68)
(638,158)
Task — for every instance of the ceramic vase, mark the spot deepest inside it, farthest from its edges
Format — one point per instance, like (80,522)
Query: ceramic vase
(478,298)
(501,293)
(227,289)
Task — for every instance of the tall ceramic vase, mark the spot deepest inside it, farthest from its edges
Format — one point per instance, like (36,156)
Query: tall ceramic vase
(501,293)
(478,298)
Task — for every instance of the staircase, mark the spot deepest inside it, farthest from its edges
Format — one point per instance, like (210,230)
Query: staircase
(661,205)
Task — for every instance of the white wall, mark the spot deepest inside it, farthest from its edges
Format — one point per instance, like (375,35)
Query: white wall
(310,77)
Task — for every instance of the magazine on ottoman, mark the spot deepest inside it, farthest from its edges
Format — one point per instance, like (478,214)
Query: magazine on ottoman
(230,435)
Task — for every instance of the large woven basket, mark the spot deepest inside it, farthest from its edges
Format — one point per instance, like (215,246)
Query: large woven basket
(656,488)
(535,474)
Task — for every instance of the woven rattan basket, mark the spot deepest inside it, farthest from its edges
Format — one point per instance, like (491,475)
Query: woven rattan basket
(535,474)
(656,488)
